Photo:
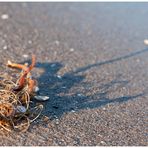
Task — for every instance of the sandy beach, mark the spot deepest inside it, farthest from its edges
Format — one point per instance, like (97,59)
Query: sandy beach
(92,63)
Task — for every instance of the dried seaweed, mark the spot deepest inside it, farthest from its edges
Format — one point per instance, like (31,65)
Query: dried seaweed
(15,98)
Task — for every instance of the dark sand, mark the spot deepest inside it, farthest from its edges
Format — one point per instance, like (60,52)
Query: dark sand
(91,62)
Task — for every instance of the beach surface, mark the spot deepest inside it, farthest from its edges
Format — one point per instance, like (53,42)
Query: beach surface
(92,63)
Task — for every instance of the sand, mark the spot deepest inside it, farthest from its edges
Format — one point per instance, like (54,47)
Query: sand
(91,63)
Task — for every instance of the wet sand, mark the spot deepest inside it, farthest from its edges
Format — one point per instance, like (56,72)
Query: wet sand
(91,62)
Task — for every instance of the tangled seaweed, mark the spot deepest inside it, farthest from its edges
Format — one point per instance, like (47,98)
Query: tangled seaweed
(15,99)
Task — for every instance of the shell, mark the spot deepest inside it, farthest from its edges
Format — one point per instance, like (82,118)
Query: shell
(41,98)
(20,109)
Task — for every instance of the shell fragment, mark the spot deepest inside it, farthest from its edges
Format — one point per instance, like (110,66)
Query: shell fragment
(21,109)
(41,98)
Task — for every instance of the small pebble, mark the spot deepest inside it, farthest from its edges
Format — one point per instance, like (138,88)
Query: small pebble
(29,42)
(71,49)
(57,121)
(4,16)
(102,142)
(104,108)
(59,76)
(57,42)
(146,41)
(5,47)
(41,98)
(25,55)
(79,95)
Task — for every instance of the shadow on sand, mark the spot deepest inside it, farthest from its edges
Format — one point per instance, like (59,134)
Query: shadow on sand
(62,100)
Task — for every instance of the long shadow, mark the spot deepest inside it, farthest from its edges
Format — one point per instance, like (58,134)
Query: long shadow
(111,61)
(63,100)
